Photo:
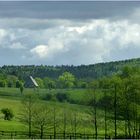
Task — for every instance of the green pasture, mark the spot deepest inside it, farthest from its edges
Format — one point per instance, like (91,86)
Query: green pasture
(11,98)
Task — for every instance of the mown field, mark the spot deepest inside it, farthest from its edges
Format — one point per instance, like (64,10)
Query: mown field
(11,98)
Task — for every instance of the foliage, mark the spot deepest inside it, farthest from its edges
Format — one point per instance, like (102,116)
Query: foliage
(8,113)
(49,83)
(29,103)
(21,88)
(48,97)
(40,118)
(2,83)
(39,82)
(83,74)
(61,97)
(66,80)
(11,80)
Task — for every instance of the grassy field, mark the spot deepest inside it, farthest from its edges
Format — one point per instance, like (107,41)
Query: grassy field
(11,98)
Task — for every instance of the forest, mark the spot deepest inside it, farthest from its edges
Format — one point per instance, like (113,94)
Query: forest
(49,76)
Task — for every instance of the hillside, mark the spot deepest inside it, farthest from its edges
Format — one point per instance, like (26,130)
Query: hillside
(11,98)
(85,72)
(109,107)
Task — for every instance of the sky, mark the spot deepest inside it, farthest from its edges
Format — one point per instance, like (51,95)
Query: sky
(68,32)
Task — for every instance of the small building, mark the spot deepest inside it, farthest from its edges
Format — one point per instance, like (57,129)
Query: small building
(35,85)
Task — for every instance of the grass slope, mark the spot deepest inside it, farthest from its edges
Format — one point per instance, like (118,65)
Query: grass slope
(11,98)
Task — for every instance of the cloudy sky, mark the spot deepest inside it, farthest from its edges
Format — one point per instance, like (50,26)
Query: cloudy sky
(56,33)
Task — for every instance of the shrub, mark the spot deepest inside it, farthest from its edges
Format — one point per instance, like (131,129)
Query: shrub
(8,113)
(48,97)
(2,83)
(61,97)
(106,101)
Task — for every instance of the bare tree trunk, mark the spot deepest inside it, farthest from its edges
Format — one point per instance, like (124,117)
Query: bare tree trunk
(95,116)
(30,129)
(54,122)
(129,126)
(30,118)
(64,123)
(136,117)
(115,110)
(105,109)
(125,128)
(75,124)
(139,131)
(126,111)
(41,132)
(96,130)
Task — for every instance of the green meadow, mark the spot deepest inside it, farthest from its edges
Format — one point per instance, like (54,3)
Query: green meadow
(11,98)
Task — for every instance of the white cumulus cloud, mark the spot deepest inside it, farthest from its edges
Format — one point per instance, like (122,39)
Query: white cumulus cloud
(40,50)
(74,42)
(91,42)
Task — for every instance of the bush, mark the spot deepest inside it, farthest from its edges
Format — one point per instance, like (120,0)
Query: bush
(106,101)
(61,97)
(8,113)
(48,97)
(2,83)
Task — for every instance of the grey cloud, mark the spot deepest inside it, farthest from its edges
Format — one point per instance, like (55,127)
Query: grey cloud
(33,24)
(43,15)
(66,9)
